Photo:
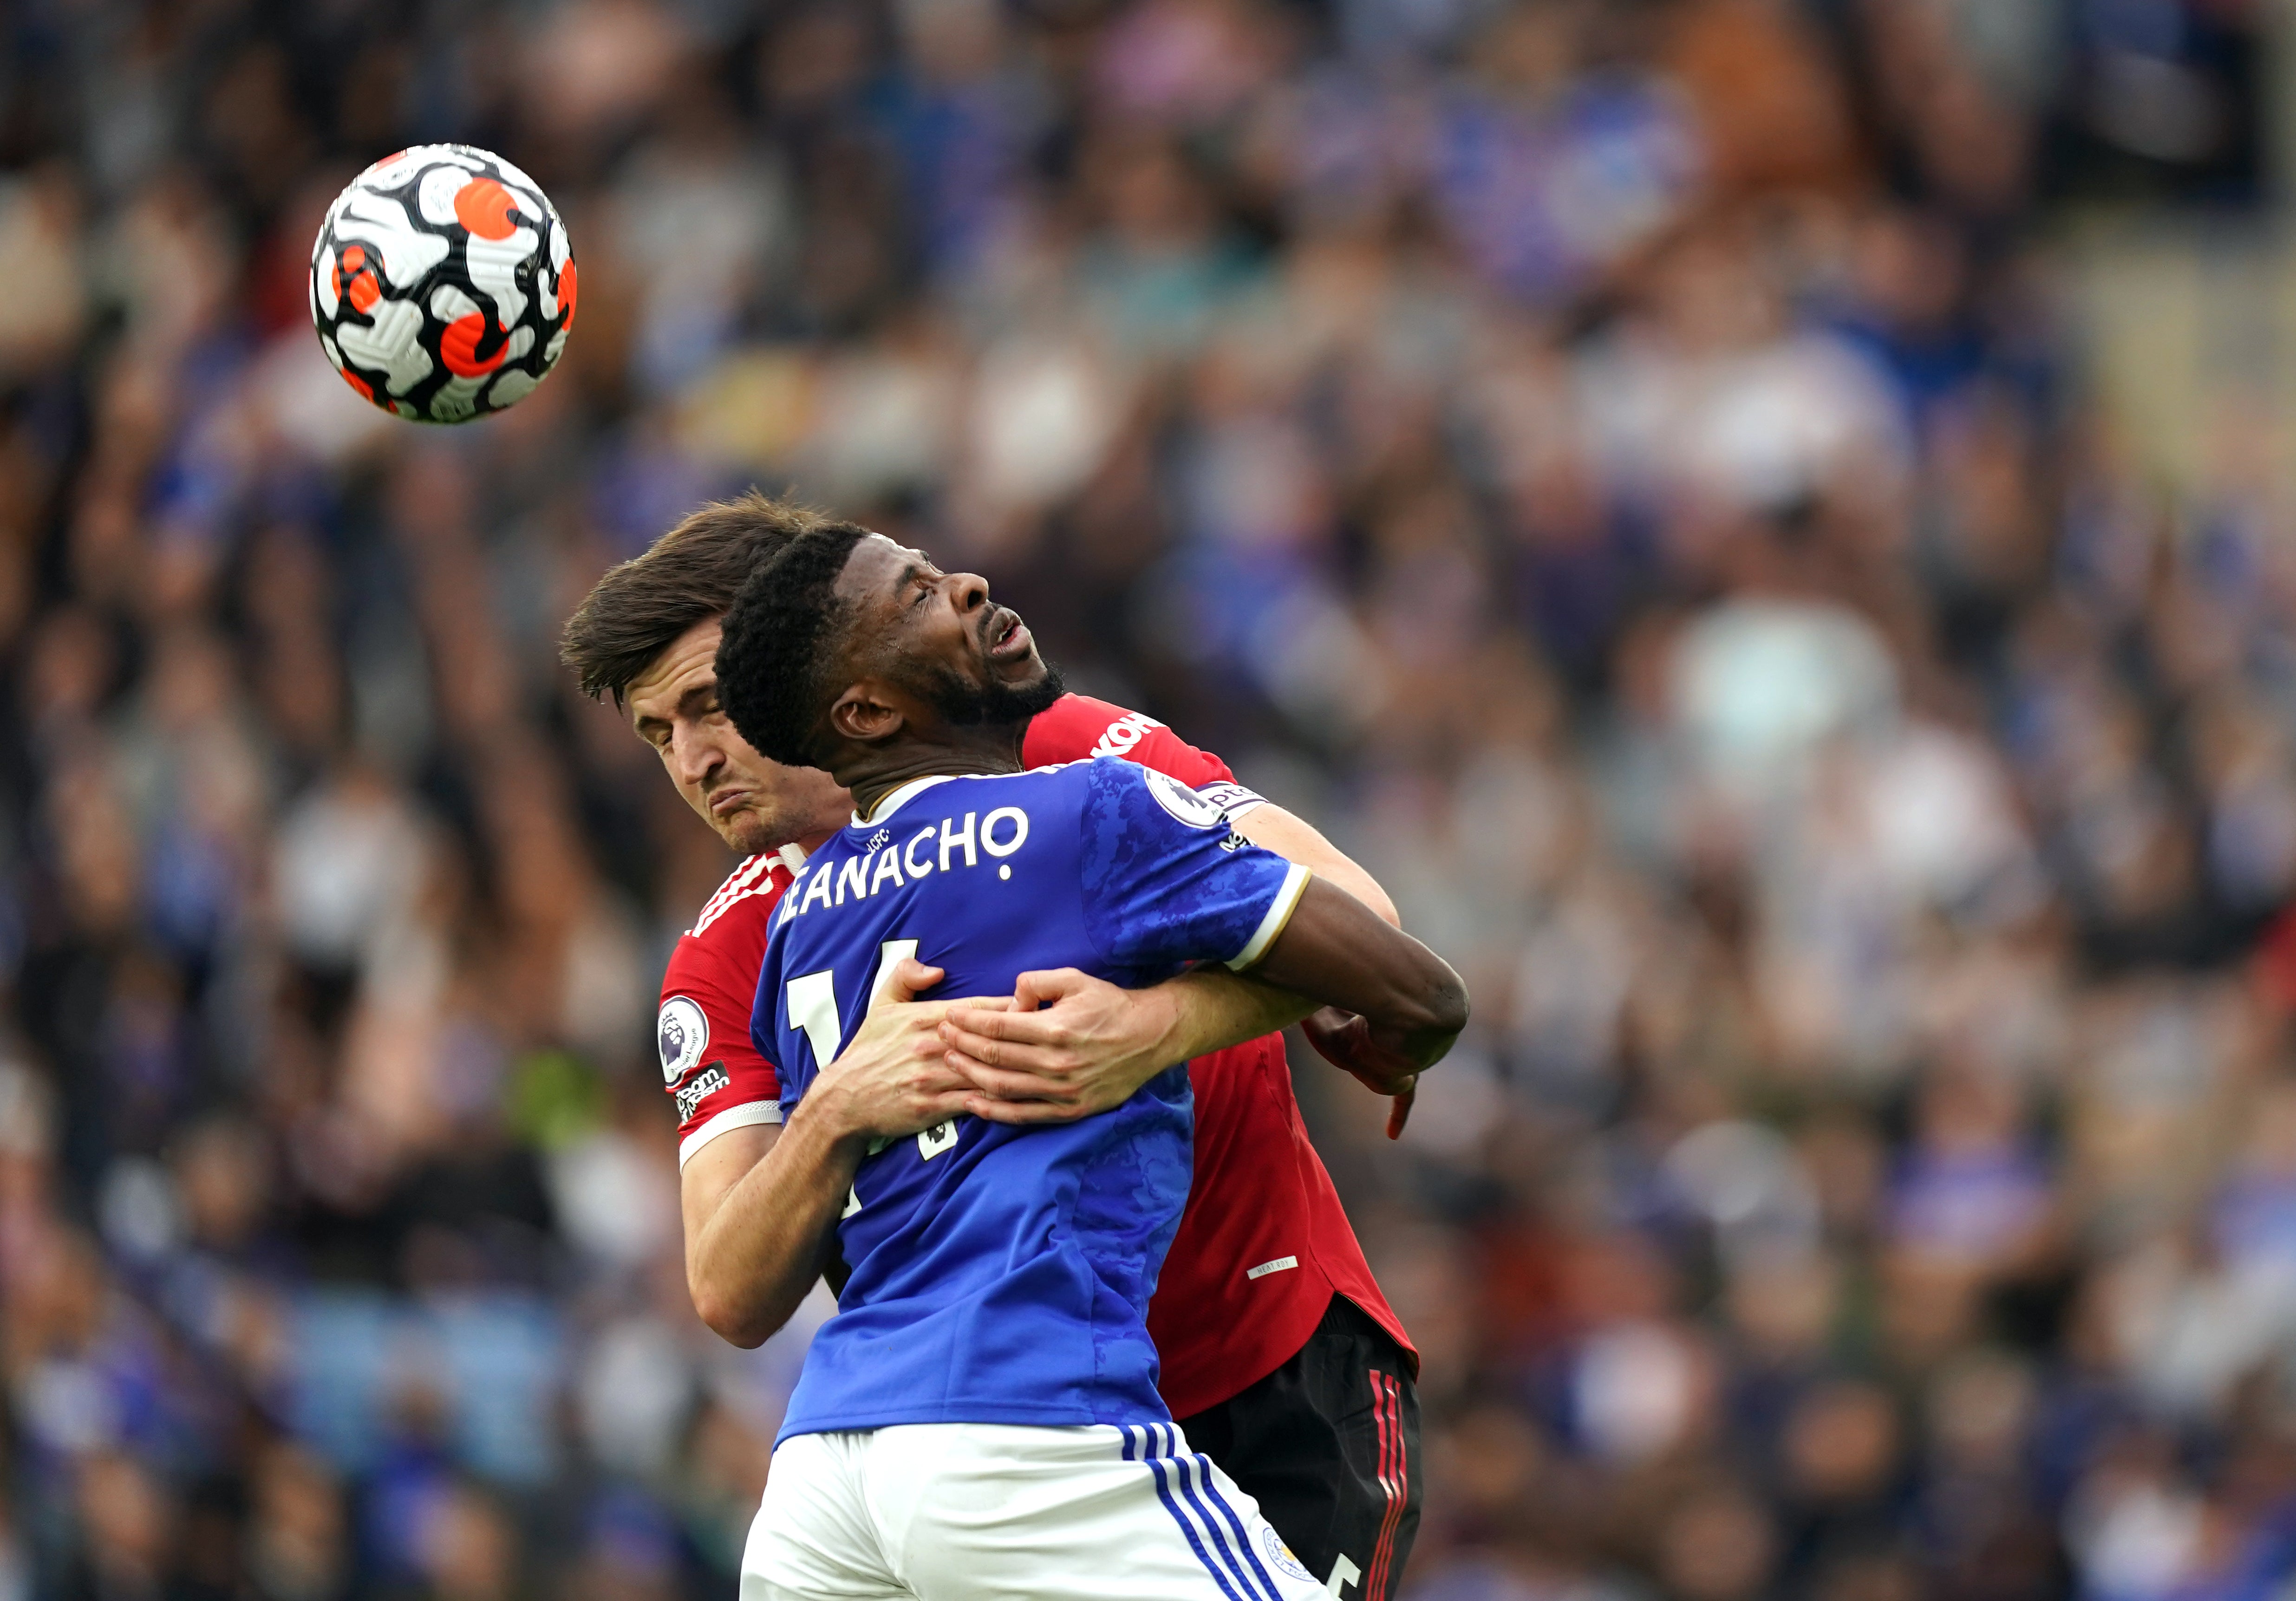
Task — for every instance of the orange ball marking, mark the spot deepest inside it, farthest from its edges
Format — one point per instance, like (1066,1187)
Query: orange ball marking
(364,292)
(366,389)
(458,346)
(354,258)
(484,207)
(566,290)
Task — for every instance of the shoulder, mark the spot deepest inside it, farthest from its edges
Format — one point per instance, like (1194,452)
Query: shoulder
(1127,790)
(748,893)
(1077,726)
(729,938)
(709,1063)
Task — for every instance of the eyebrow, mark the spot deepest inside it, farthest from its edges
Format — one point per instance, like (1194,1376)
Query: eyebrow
(684,704)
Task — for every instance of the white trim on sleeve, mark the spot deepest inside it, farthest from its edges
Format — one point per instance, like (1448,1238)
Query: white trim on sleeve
(1279,912)
(725,1123)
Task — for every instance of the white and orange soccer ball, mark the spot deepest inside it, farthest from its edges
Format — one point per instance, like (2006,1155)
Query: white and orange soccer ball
(442,283)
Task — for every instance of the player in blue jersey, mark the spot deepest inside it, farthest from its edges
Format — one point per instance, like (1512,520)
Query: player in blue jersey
(981,1418)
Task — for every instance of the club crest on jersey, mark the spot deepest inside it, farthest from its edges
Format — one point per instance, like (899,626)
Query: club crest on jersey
(1183,804)
(683,1033)
(1281,1554)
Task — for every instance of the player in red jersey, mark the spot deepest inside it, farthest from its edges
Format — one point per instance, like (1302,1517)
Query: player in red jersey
(1281,1358)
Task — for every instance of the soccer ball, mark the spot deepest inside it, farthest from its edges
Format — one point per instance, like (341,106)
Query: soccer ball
(442,283)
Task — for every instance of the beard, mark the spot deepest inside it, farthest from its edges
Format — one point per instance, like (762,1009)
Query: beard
(978,705)
(765,825)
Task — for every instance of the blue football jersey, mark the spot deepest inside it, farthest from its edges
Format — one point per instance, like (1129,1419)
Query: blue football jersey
(1002,1274)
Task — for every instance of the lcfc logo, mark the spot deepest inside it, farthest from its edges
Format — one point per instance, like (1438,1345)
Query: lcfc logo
(683,1033)
(1281,1555)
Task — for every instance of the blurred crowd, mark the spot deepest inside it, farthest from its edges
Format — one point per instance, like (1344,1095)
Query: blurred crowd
(1623,468)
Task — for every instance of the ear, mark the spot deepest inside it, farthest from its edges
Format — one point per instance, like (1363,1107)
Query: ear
(865,714)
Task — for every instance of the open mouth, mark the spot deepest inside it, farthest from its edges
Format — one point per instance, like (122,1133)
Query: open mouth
(1008,636)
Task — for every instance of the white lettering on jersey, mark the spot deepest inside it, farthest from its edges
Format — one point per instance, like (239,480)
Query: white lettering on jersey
(949,841)
(947,846)
(690,1097)
(1124,733)
(918,869)
(812,1000)
(1019,820)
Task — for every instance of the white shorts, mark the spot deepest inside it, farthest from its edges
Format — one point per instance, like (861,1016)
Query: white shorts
(999,1511)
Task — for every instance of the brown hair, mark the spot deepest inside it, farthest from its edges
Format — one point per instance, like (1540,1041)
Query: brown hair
(691,573)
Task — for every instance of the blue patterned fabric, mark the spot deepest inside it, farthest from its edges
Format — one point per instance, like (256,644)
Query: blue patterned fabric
(1002,1275)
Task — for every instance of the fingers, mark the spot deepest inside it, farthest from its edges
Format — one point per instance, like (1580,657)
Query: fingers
(965,1025)
(944,1107)
(905,1026)
(1399,1110)
(1021,1111)
(911,977)
(970,1052)
(1010,1082)
(1031,991)
(1338,1037)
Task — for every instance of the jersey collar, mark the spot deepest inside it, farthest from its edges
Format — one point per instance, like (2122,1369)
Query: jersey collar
(900,797)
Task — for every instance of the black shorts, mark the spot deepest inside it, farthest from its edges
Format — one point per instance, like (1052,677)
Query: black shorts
(1328,1445)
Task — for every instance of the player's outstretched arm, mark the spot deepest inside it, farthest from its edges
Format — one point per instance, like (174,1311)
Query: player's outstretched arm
(1336,951)
(1340,1038)
(1069,1045)
(761,1206)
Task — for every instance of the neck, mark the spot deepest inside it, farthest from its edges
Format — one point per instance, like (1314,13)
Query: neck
(876,773)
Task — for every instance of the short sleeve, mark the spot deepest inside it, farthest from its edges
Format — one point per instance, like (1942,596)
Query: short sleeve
(711,1071)
(1076,728)
(1167,880)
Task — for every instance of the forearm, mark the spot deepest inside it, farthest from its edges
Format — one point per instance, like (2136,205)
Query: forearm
(1215,1009)
(758,1255)
(1338,954)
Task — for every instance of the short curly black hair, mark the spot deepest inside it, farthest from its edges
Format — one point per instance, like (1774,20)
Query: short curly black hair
(778,644)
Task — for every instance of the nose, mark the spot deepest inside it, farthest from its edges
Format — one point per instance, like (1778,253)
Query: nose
(694,756)
(967,591)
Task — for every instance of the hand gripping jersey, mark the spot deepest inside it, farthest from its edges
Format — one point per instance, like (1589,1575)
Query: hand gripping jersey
(1264,1243)
(1002,1274)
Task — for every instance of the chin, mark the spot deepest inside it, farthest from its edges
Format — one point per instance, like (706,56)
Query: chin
(746,832)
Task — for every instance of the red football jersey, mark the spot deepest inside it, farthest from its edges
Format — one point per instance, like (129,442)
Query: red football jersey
(1264,1243)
